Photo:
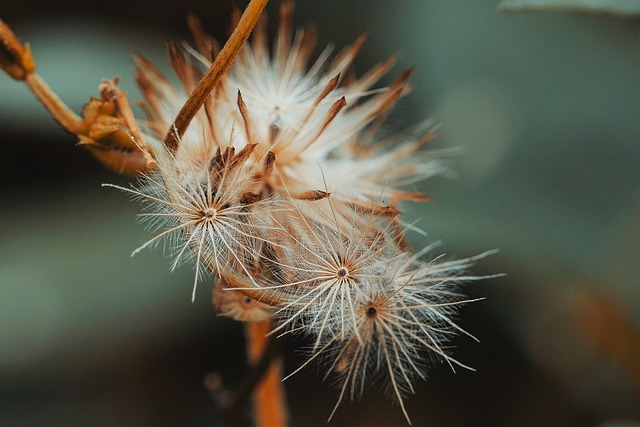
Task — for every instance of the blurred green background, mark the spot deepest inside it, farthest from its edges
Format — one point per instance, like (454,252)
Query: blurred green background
(547,109)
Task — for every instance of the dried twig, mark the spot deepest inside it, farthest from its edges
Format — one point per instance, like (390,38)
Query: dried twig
(218,68)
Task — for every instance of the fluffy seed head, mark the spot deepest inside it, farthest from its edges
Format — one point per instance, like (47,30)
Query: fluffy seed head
(402,323)
(277,189)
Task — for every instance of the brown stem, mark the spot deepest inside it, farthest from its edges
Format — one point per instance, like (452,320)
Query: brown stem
(215,72)
(270,408)
(233,402)
(60,112)
(17,61)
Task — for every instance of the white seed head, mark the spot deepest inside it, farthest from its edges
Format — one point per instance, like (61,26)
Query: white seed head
(283,188)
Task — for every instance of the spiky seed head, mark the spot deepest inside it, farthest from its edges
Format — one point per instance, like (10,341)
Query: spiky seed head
(277,188)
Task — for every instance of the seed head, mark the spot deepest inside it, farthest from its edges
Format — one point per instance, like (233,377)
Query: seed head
(284,190)
(402,321)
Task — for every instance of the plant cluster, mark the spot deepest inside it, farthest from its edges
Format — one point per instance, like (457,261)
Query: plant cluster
(285,190)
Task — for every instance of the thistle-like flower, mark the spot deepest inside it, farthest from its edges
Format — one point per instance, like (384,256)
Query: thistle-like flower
(276,189)
(206,208)
(319,125)
(401,320)
(327,259)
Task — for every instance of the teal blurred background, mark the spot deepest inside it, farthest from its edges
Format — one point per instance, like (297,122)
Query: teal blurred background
(547,109)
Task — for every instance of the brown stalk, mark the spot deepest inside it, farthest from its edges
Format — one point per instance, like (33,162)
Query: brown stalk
(17,61)
(107,127)
(270,408)
(232,402)
(62,114)
(216,71)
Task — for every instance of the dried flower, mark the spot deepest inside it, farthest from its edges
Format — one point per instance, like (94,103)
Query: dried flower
(205,207)
(276,189)
(108,128)
(401,320)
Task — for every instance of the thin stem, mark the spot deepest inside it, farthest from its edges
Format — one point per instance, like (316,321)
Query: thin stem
(270,408)
(233,402)
(58,109)
(218,68)
(262,379)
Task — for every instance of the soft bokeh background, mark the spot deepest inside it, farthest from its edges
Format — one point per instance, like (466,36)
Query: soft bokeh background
(547,108)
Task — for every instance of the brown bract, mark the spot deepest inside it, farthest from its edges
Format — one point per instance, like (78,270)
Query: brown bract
(110,132)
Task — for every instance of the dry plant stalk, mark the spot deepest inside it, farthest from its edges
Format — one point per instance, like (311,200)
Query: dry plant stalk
(283,189)
(270,408)
(107,128)
(220,65)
